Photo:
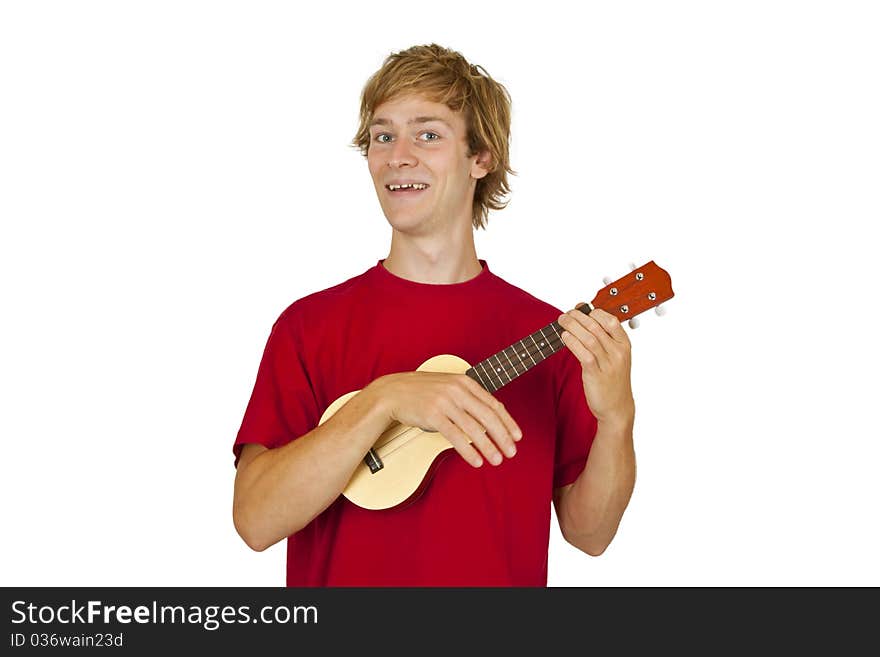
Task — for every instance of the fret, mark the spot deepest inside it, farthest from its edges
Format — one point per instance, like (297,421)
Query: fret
(496,378)
(526,350)
(547,341)
(546,344)
(482,383)
(507,356)
(519,359)
(488,376)
(501,369)
(532,336)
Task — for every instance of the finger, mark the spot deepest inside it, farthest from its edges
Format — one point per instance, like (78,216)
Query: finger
(610,332)
(589,338)
(460,442)
(491,422)
(595,326)
(495,404)
(584,355)
(610,323)
(477,434)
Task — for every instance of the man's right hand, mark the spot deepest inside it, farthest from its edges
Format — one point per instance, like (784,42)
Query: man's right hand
(458,407)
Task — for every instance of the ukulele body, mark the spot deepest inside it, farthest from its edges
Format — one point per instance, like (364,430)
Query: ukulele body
(408,454)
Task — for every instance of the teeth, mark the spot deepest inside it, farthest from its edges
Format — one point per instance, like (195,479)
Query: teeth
(408,186)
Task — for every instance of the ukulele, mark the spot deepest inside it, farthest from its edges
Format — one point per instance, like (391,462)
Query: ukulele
(399,465)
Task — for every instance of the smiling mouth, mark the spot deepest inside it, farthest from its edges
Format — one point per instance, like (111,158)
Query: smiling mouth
(407,189)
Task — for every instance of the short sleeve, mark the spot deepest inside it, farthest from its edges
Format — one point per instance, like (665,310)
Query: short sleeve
(575,423)
(282,406)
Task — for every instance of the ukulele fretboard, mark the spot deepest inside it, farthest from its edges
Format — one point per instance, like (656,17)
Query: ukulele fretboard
(500,369)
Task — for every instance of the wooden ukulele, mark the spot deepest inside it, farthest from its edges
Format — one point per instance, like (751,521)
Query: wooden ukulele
(398,466)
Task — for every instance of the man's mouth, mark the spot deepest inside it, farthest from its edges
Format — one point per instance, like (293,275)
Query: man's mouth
(406,189)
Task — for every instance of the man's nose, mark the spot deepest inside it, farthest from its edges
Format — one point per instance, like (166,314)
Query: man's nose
(401,154)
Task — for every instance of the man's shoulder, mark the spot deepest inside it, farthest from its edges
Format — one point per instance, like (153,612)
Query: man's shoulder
(526,301)
(320,300)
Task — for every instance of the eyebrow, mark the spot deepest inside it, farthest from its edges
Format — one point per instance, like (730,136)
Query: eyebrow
(418,119)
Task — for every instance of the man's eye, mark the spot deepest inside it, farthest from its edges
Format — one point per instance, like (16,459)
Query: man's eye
(432,133)
(379,138)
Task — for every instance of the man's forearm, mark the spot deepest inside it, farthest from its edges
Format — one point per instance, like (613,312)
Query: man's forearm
(596,501)
(281,490)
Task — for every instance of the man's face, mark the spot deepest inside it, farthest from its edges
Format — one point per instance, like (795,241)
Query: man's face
(414,140)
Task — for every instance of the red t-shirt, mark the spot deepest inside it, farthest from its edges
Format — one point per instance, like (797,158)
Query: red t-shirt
(486,526)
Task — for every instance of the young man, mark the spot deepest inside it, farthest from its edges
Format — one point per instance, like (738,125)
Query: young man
(435,131)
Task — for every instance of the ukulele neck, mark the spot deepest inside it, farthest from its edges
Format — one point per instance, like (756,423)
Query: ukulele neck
(644,287)
(500,369)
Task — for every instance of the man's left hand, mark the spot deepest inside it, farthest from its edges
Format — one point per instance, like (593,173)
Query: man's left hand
(603,348)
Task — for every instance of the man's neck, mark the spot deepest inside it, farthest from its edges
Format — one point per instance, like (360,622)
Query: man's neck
(433,261)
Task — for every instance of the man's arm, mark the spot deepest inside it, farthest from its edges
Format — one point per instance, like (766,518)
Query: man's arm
(590,509)
(279,491)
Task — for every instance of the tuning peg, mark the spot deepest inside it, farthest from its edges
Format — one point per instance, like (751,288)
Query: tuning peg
(632,266)
(606,280)
(660,310)
(634,323)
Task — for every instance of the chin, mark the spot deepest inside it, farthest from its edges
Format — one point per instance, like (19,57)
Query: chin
(406,222)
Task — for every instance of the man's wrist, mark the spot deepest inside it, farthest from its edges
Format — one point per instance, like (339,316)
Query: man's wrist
(377,399)
(619,424)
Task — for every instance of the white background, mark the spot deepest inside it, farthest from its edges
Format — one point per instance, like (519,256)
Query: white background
(174,174)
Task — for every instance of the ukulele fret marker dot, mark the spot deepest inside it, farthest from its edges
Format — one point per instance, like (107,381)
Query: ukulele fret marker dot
(613,291)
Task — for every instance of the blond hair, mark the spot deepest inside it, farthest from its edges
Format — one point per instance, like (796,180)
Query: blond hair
(444,76)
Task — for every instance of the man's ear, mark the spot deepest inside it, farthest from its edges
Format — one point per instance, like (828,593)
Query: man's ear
(482,165)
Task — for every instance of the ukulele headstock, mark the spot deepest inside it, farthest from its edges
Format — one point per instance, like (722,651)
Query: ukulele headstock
(641,289)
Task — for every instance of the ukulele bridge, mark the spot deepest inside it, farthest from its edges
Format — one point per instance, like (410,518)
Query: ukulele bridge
(374,463)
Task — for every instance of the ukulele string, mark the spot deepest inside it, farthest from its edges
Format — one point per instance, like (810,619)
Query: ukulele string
(552,342)
(409,430)
(395,437)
